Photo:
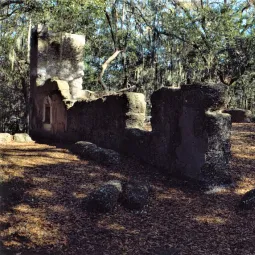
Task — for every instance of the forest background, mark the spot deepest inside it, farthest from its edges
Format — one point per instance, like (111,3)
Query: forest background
(148,44)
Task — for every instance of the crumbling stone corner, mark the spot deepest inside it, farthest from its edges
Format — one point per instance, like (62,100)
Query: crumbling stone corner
(190,134)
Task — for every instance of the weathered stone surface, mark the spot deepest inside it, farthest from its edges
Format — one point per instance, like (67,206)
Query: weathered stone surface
(76,88)
(116,183)
(22,138)
(135,196)
(166,107)
(51,86)
(89,150)
(61,86)
(134,120)
(150,147)
(190,152)
(103,199)
(6,138)
(190,134)
(204,95)
(248,200)
(136,143)
(88,95)
(239,115)
(53,93)
(189,137)
(104,120)
(58,56)
(203,151)
(218,154)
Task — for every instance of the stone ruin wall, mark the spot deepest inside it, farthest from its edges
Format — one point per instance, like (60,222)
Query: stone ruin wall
(56,71)
(56,92)
(239,115)
(57,56)
(104,121)
(190,134)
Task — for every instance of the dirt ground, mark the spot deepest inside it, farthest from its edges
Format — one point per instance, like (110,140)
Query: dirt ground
(42,188)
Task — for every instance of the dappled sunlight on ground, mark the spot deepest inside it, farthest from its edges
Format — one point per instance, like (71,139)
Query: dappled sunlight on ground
(29,227)
(43,187)
(243,157)
(210,219)
(21,155)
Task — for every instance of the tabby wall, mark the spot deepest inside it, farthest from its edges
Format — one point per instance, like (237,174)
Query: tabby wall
(54,122)
(190,134)
(104,121)
(57,56)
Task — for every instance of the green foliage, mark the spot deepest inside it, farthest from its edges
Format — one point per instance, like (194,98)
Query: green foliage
(16,20)
(163,43)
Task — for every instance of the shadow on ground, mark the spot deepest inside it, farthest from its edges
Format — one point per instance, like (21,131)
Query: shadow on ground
(43,214)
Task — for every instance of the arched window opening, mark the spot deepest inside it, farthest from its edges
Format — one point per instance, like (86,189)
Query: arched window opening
(47,110)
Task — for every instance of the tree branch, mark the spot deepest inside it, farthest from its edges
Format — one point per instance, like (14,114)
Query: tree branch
(110,25)
(104,67)
(9,14)
(163,32)
(192,20)
(9,2)
(127,89)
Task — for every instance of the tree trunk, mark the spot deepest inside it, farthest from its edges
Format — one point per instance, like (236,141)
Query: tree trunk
(104,67)
(26,99)
(125,71)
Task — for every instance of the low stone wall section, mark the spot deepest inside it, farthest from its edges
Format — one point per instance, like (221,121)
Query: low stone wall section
(105,120)
(239,115)
(190,134)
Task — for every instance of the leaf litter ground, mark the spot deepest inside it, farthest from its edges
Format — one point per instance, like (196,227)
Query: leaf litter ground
(42,188)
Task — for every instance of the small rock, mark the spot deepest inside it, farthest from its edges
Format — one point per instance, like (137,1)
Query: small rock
(115,183)
(107,156)
(5,138)
(248,200)
(89,150)
(22,138)
(239,115)
(103,199)
(135,196)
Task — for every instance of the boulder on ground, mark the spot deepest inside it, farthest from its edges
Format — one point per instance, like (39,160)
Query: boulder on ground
(239,115)
(6,138)
(83,148)
(248,200)
(116,183)
(135,196)
(22,138)
(103,199)
(89,150)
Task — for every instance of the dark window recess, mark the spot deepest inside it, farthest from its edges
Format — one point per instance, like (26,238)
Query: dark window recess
(47,114)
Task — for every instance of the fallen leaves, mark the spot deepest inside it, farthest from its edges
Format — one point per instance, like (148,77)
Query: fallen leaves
(46,215)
